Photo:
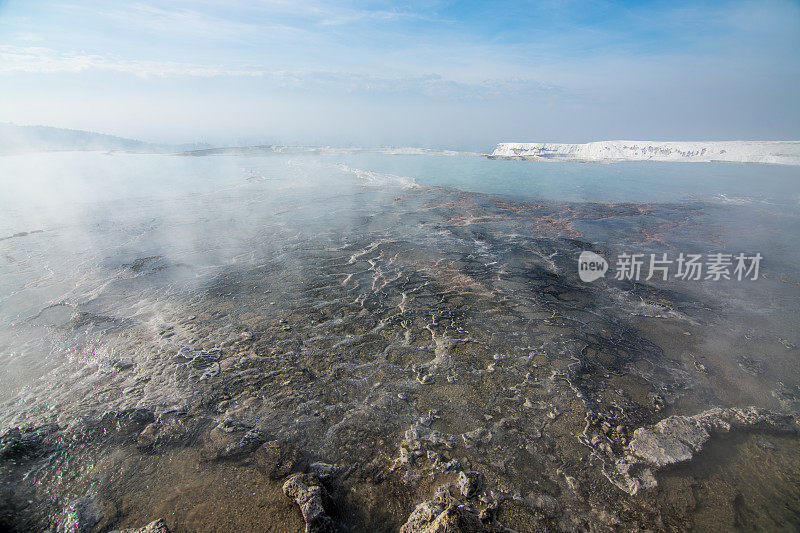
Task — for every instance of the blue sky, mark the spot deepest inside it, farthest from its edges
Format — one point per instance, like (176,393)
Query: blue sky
(450,74)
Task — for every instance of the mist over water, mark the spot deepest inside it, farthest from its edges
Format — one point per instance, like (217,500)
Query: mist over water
(474,267)
(171,321)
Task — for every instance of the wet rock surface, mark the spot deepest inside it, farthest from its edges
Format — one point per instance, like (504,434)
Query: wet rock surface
(124,424)
(86,514)
(428,517)
(157,526)
(231,439)
(469,483)
(279,459)
(81,516)
(408,338)
(312,498)
(171,429)
(678,439)
(445,513)
(27,442)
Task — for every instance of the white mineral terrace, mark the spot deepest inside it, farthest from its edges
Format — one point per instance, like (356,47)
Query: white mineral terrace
(773,152)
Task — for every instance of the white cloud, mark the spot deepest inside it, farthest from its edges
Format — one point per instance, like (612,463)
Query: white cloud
(237,21)
(177,22)
(42,60)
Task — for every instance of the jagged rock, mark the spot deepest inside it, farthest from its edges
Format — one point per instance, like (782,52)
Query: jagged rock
(404,459)
(323,470)
(86,514)
(469,483)
(431,516)
(231,440)
(422,516)
(114,364)
(678,438)
(127,421)
(477,437)
(148,438)
(80,516)
(118,425)
(419,435)
(489,514)
(17,443)
(278,459)
(170,429)
(545,503)
(312,498)
(157,526)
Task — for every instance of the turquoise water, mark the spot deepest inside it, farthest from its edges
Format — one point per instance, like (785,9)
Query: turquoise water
(59,178)
(747,205)
(595,182)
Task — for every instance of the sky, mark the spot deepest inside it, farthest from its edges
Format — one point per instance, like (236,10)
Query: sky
(461,75)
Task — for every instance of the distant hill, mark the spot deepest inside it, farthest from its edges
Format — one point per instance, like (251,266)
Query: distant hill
(20,139)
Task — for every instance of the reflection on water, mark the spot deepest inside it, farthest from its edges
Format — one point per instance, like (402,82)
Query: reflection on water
(179,331)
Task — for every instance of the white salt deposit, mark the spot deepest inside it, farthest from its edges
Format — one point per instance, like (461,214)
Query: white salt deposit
(774,152)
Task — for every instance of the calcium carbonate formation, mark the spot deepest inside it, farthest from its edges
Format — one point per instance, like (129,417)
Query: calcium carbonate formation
(773,152)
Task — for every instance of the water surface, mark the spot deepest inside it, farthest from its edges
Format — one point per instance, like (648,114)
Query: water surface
(396,319)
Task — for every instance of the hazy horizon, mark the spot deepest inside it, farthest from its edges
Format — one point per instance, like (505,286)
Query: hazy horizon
(448,75)
(350,266)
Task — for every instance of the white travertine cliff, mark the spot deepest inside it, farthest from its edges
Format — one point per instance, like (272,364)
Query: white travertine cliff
(774,152)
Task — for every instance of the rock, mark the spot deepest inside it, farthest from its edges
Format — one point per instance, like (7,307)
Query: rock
(419,436)
(323,470)
(469,483)
(119,425)
(672,440)
(422,516)
(431,517)
(231,425)
(80,516)
(121,363)
(678,438)
(404,459)
(312,498)
(148,438)
(277,459)
(767,445)
(127,421)
(445,514)
(232,440)
(157,526)
(247,444)
(170,429)
(545,503)
(432,415)
(752,366)
(18,443)
(477,437)
(204,359)
(489,514)
(86,514)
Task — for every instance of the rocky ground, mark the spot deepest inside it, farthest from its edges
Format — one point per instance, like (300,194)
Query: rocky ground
(436,367)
